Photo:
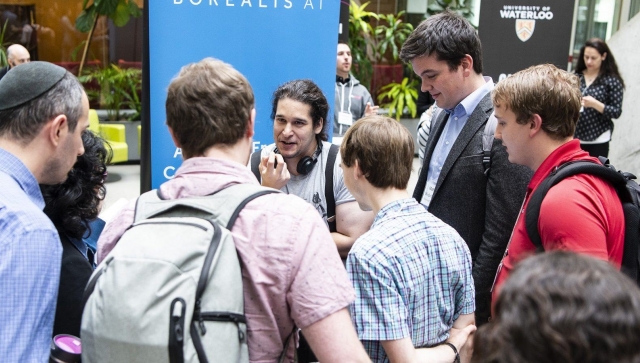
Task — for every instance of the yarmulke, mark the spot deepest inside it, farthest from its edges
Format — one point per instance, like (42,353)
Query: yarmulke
(27,82)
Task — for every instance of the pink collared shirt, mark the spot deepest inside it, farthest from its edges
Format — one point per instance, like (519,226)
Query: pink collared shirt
(291,269)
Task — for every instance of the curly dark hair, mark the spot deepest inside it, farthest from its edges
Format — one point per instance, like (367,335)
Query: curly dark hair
(74,203)
(563,307)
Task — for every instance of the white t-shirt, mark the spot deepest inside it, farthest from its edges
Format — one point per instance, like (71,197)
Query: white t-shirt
(310,187)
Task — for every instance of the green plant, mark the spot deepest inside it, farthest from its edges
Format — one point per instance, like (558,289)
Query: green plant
(389,37)
(360,41)
(396,96)
(3,47)
(119,11)
(462,7)
(118,89)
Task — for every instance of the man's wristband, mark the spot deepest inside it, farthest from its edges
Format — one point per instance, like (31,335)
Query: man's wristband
(457,358)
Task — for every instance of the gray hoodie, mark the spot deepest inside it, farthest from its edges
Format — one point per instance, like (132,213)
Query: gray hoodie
(350,97)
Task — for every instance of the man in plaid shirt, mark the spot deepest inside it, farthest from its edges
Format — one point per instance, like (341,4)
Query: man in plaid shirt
(415,297)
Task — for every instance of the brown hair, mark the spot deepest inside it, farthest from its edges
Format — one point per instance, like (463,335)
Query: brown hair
(545,90)
(563,307)
(208,103)
(384,150)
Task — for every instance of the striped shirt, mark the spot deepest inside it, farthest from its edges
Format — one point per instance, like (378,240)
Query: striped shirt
(412,276)
(30,257)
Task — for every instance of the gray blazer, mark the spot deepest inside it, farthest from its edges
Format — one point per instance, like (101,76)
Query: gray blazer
(483,209)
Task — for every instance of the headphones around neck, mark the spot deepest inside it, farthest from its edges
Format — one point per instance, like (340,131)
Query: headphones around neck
(306,164)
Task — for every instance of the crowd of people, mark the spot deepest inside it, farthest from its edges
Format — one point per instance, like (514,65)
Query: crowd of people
(335,248)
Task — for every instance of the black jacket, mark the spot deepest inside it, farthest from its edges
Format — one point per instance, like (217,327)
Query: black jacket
(74,275)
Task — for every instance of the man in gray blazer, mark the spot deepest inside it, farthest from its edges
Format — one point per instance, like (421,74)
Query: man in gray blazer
(479,199)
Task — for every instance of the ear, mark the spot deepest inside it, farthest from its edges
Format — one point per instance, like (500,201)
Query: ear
(56,129)
(318,129)
(250,131)
(357,172)
(604,55)
(535,125)
(467,65)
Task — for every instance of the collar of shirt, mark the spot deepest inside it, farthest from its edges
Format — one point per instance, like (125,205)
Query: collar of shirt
(343,80)
(566,152)
(15,168)
(193,177)
(393,207)
(469,103)
(458,117)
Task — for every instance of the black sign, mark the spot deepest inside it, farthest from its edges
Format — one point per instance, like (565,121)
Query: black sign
(516,34)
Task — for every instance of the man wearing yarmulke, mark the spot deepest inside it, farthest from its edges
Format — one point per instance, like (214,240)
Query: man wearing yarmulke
(43,111)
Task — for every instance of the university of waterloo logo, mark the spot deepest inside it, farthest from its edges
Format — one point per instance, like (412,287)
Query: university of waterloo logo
(525,28)
(525,17)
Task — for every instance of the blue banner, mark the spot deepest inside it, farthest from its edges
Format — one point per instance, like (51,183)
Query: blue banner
(269,41)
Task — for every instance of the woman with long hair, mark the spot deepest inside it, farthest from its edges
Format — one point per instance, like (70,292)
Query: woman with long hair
(602,88)
(72,206)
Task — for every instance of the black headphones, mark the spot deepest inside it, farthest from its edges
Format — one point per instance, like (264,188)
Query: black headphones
(306,164)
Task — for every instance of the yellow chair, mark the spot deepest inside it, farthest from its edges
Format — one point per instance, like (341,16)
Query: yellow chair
(114,135)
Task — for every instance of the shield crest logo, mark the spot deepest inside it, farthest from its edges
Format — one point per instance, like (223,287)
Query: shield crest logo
(524,28)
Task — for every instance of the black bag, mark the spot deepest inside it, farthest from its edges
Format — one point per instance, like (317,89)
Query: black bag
(628,191)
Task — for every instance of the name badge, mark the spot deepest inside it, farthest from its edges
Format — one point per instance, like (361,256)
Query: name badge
(344,118)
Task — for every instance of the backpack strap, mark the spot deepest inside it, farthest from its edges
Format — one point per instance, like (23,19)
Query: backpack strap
(328,186)
(487,142)
(255,164)
(532,213)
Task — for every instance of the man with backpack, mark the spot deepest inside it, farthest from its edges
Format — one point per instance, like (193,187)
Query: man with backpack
(301,161)
(291,272)
(537,111)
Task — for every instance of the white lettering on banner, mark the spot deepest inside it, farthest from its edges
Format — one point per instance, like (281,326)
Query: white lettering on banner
(167,170)
(288,4)
(177,153)
(510,14)
(503,76)
(526,17)
(256,145)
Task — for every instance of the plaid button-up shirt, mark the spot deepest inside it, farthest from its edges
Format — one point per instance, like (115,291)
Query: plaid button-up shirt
(412,276)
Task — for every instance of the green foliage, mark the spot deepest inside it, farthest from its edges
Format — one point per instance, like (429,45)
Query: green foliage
(118,89)
(399,96)
(462,7)
(360,33)
(3,47)
(389,37)
(119,11)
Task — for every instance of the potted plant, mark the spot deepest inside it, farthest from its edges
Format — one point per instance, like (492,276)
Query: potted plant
(390,34)
(118,91)
(360,41)
(400,98)
(119,11)
(462,7)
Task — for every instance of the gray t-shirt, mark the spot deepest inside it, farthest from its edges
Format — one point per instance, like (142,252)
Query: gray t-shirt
(310,187)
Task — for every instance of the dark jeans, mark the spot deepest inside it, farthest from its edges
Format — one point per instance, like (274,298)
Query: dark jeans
(596,150)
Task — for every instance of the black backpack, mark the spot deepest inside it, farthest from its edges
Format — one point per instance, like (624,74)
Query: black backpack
(628,191)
